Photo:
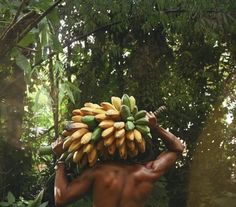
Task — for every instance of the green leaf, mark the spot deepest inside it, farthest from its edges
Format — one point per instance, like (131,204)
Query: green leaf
(56,44)
(44,204)
(24,64)
(70,94)
(58,68)
(69,88)
(10,198)
(37,201)
(4,204)
(54,19)
(42,5)
(61,93)
(28,39)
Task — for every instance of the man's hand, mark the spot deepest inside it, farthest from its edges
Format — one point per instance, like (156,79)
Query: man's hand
(57,147)
(152,120)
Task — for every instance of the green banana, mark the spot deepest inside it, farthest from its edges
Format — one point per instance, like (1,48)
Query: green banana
(132,103)
(96,134)
(140,114)
(90,121)
(142,121)
(130,118)
(135,110)
(125,100)
(125,112)
(129,125)
(143,129)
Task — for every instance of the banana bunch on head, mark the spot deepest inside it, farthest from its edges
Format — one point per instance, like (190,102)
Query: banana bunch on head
(105,130)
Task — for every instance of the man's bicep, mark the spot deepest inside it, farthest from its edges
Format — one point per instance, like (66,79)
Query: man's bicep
(77,188)
(163,162)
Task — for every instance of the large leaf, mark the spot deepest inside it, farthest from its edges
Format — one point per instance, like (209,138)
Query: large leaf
(29,38)
(37,201)
(44,204)
(56,44)
(23,63)
(10,198)
(4,204)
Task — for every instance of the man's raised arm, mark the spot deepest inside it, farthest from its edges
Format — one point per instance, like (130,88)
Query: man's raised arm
(65,192)
(174,147)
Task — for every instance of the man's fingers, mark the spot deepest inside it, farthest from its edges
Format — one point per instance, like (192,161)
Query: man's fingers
(59,139)
(152,114)
(148,115)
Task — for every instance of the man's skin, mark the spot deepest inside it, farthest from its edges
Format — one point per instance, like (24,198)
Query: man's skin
(118,184)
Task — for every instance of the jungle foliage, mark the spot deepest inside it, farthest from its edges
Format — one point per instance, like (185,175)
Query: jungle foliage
(56,55)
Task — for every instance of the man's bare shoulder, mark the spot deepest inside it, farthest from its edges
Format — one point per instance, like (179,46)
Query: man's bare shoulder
(138,171)
(117,165)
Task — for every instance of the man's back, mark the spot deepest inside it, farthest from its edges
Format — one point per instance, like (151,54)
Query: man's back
(119,185)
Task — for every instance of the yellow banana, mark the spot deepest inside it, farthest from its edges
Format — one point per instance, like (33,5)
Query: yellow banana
(92,156)
(75,145)
(106,124)
(93,163)
(76,125)
(123,151)
(76,118)
(120,141)
(112,149)
(119,125)
(130,135)
(66,133)
(96,106)
(142,145)
(87,110)
(137,135)
(109,140)
(79,133)
(108,132)
(67,143)
(77,156)
(113,114)
(89,104)
(98,111)
(107,106)
(101,117)
(86,138)
(119,133)
(116,102)
(88,148)
(77,112)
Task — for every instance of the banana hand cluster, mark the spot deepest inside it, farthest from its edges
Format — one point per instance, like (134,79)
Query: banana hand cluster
(101,131)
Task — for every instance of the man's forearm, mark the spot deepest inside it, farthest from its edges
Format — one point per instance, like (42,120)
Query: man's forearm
(61,183)
(170,140)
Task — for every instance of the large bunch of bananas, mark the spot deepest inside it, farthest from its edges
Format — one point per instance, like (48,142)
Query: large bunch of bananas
(105,130)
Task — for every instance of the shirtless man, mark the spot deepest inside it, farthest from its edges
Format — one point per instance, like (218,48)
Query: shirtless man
(118,184)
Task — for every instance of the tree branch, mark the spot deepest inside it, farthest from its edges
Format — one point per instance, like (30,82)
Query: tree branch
(92,32)
(37,20)
(23,3)
(17,31)
(26,48)
(14,19)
